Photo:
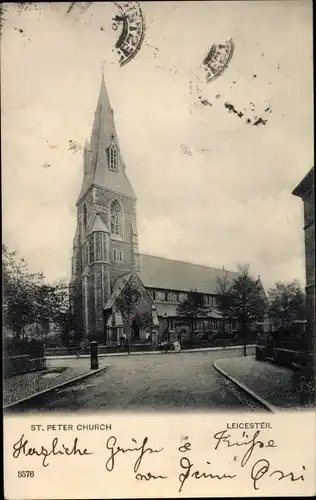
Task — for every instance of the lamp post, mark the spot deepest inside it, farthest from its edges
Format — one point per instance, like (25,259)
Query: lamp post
(94,355)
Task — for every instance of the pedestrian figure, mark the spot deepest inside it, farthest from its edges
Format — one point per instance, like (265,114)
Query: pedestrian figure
(177,345)
(82,346)
(166,341)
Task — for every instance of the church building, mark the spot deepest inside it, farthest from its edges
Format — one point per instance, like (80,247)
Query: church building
(115,289)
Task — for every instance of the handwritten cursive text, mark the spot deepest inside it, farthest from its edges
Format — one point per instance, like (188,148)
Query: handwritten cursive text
(249,443)
(22,447)
(261,468)
(187,466)
(148,476)
(115,450)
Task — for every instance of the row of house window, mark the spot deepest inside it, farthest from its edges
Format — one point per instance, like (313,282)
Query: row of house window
(210,300)
(202,325)
(167,296)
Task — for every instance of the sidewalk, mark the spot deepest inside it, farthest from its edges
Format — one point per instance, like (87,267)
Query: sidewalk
(21,387)
(269,383)
(147,353)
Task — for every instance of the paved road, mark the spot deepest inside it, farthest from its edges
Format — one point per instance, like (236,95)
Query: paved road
(185,381)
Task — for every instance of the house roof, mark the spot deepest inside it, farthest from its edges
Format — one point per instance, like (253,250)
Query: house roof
(168,274)
(305,185)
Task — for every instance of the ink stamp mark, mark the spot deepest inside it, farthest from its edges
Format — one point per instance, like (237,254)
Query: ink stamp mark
(131,21)
(218,59)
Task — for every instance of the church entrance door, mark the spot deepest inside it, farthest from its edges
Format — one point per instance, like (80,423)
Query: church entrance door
(135,331)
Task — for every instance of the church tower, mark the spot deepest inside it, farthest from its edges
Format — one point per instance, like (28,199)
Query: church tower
(105,245)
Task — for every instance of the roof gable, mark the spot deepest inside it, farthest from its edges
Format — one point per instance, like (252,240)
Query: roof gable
(305,185)
(131,277)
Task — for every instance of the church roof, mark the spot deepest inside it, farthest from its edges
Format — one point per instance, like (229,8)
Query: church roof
(168,274)
(96,152)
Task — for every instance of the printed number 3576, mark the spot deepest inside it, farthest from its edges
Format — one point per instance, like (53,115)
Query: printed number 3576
(26,473)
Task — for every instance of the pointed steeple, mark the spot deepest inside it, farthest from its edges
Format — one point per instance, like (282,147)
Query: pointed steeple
(103,137)
(103,126)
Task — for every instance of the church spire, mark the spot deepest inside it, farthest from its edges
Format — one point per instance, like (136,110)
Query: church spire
(103,126)
(104,146)
(104,100)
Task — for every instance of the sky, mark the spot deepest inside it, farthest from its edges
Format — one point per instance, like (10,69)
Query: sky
(212,189)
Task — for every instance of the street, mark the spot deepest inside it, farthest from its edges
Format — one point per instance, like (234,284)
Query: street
(155,382)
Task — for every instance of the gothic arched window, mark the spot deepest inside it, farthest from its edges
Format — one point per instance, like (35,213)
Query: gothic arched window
(116,218)
(112,158)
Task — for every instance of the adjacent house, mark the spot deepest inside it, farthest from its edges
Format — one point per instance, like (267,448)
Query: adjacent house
(305,190)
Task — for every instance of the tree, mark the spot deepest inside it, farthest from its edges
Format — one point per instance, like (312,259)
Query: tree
(247,300)
(126,304)
(287,303)
(62,314)
(19,290)
(144,320)
(67,324)
(223,293)
(27,297)
(191,307)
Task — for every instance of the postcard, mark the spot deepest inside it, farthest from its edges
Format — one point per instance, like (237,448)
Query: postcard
(158,249)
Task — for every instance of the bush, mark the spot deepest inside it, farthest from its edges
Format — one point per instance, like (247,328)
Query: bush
(260,353)
(23,363)
(19,347)
(285,357)
(186,344)
(16,365)
(307,390)
(263,352)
